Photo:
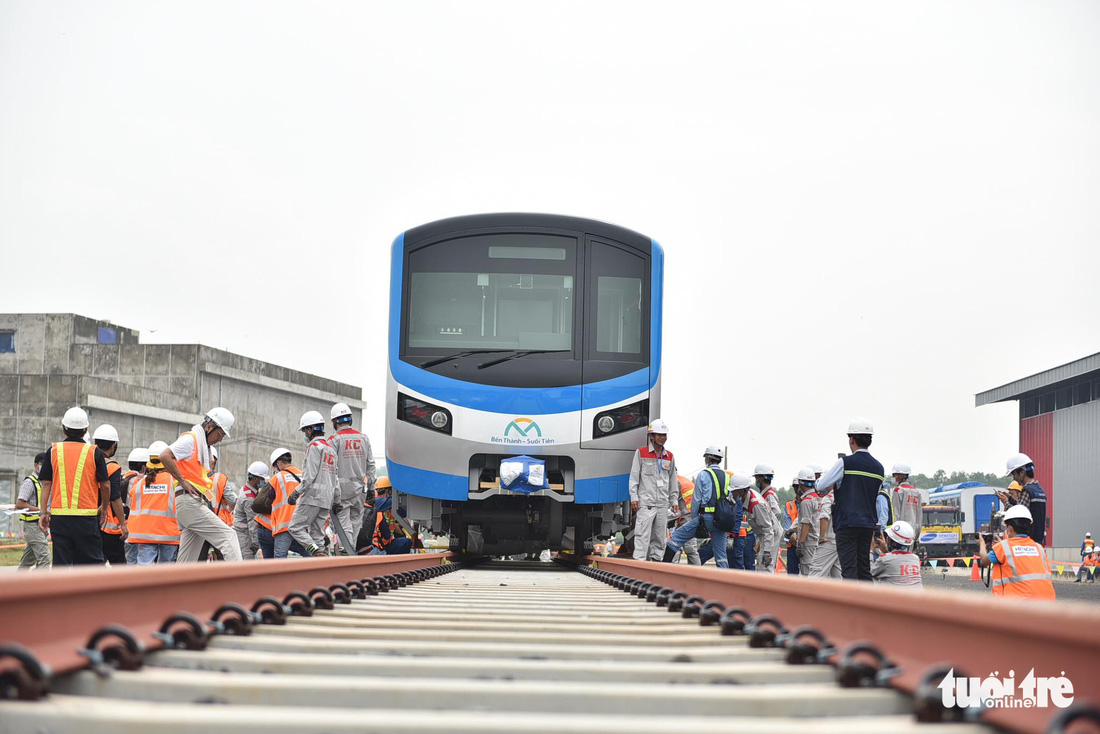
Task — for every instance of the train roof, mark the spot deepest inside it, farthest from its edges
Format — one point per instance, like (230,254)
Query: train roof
(519,221)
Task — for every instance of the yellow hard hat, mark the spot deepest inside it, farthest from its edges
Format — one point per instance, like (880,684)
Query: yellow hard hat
(1015,486)
(383,483)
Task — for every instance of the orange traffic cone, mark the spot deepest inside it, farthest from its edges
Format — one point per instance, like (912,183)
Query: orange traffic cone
(975,574)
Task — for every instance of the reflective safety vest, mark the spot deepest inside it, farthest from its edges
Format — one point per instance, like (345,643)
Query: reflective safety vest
(1023,572)
(193,471)
(221,507)
(687,492)
(882,492)
(37,499)
(378,541)
(792,510)
(282,511)
(111,524)
(75,487)
(153,510)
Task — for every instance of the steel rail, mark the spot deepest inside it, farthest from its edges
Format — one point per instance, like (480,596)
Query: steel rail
(55,614)
(919,633)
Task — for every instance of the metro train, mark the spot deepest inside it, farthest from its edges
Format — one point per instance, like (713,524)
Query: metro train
(520,334)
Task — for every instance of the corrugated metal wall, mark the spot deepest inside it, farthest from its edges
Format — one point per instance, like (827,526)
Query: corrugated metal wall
(1037,441)
(1077,472)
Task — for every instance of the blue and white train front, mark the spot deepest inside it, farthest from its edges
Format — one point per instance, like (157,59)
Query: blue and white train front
(517,335)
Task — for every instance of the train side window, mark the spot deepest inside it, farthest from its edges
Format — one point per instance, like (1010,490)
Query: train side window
(618,276)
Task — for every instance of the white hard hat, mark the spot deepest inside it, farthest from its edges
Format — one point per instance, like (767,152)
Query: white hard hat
(900,468)
(658,426)
(1088,535)
(214,453)
(806,474)
(75,418)
(860,427)
(1016,461)
(339,411)
(259,469)
(817,468)
(155,450)
(105,433)
(222,418)
(277,453)
(763,470)
(311,418)
(138,456)
(1017,512)
(901,532)
(712,450)
(740,481)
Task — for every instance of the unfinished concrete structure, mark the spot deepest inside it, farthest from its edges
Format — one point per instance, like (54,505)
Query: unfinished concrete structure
(50,362)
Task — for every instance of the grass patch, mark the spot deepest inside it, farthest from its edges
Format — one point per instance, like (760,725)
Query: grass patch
(10,556)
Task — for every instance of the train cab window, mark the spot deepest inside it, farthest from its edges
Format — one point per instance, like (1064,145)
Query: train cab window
(492,292)
(619,296)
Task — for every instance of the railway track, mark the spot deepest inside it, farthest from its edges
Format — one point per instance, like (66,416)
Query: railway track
(491,648)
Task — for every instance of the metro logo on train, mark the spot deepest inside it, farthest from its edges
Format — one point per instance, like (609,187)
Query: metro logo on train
(531,426)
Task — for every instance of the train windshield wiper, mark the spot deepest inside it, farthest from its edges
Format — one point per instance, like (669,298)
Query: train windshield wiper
(456,355)
(517,355)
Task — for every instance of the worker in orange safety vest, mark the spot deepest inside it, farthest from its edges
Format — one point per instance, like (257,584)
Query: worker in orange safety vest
(76,482)
(1020,568)
(154,533)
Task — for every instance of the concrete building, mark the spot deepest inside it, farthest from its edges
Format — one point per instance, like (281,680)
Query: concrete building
(50,362)
(1060,431)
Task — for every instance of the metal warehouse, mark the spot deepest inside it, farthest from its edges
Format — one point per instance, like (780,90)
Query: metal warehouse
(1060,431)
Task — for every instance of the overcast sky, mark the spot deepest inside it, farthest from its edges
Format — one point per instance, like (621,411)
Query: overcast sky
(868,208)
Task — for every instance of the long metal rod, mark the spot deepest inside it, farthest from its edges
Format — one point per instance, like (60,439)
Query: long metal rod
(54,614)
(976,635)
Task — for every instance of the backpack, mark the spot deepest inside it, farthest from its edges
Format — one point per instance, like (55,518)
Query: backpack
(725,508)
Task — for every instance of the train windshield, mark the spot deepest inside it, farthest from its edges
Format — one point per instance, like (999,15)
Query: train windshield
(941,516)
(490,292)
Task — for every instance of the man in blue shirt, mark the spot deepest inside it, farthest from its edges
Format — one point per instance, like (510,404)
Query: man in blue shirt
(706,496)
(857,479)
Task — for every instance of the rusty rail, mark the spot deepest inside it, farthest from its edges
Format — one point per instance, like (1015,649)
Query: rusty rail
(919,634)
(58,615)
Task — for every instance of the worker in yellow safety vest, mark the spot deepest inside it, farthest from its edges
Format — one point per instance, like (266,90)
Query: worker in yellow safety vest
(36,552)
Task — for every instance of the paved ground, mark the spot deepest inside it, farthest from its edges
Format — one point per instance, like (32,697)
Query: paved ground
(956,580)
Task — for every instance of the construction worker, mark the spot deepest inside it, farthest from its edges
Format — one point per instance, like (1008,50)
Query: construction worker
(75,480)
(762,475)
(906,500)
(744,546)
(897,565)
(654,492)
(314,496)
(683,511)
(710,485)
(809,506)
(188,461)
(135,469)
(818,471)
(1087,545)
(790,511)
(154,532)
(856,480)
(385,538)
(1020,569)
(112,528)
(354,469)
(764,524)
(274,510)
(1032,496)
(1088,567)
(244,517)
(225,492)
(36,552)
(826,562)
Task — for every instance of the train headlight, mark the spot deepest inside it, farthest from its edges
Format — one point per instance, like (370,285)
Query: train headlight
(425,415)
(623,418)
